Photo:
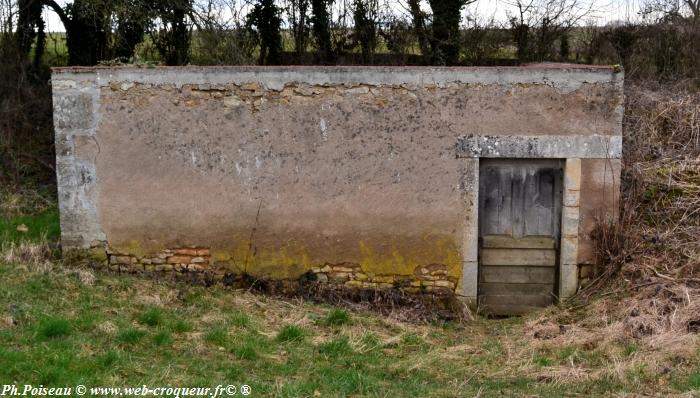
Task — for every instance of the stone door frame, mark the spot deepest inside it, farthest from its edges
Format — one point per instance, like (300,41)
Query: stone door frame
(571,149)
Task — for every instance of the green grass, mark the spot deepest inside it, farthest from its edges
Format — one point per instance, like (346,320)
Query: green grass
(57,337)
(240,319)
(335,348)
(290,333)
(130,336)
(693,381)
(151,317)
(245,350)
(218,336)
(337,317)
(162,338)
(630,349)
(180,326)
(53,328)
(542,361)
(41,226)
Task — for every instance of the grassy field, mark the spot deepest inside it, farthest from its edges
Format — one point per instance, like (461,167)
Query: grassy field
(63,326)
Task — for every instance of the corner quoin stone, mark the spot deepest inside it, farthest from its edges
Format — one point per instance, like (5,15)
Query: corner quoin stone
(76,117)
(73,111)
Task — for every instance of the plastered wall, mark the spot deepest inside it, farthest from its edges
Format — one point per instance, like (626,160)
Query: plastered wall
(358,174)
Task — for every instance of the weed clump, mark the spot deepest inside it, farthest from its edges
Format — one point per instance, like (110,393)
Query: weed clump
(151,317)
(335,348)
(290,333)
(52,328)
(130,336)
(337,317)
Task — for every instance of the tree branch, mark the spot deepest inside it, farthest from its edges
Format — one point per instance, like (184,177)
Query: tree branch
(58,10)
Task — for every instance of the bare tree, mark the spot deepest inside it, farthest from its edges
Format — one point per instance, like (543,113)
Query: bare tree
(299,22)
(419,25)
(694,6)
(537,25)
(672,10)
(8,12)
(321,20)
(222,38)
(482,39)
(342,26)
(438,32)
(366,19)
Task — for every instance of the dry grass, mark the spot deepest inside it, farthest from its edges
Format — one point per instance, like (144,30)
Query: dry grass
(393,303)
(626,345)
(16,201)
(647,294)
(657,236)
(662,121)
(662,166)
(40,257)
(31,256)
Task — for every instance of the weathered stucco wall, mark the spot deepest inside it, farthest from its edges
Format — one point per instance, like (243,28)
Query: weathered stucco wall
(351,172)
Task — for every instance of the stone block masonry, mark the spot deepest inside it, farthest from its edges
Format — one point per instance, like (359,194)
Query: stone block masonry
(361,176)
(429,279)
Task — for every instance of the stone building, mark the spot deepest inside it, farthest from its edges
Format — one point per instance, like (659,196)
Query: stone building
(485,182)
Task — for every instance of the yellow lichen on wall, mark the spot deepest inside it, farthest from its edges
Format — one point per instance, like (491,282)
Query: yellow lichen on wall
(433,264)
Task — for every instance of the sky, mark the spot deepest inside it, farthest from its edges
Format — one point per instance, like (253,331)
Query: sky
(608,11)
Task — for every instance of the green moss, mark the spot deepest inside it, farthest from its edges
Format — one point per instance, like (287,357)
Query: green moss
(293,262)
(97,254)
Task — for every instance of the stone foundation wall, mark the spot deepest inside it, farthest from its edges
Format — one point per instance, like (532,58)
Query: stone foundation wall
(429,279)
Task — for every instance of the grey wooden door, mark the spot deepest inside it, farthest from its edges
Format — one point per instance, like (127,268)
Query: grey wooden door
(519,222)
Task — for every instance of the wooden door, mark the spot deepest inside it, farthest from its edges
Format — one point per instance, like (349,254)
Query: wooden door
(519,222)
